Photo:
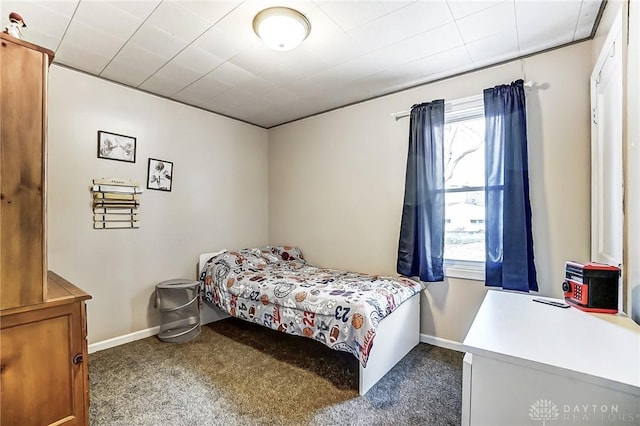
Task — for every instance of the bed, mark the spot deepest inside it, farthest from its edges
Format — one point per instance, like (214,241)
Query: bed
(347,311)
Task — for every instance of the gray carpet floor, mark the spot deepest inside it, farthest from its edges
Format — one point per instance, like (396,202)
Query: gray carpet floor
(238,373)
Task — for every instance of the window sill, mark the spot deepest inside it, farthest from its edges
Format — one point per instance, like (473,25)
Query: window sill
(465,270)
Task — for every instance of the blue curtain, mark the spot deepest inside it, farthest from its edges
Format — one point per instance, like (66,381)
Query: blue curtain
(509,240)
(421,245)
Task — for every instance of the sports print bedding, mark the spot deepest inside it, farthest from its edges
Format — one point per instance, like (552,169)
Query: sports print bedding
(276,288)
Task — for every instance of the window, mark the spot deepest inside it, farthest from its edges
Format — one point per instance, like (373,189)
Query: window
(464,184)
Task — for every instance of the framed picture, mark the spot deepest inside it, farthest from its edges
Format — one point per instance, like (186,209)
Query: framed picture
(113,146)
(160,174)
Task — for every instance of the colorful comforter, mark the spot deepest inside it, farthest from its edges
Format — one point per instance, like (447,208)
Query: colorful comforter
(274,287)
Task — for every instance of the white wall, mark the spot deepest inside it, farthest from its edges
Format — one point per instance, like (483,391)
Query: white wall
(631,142)
(336,181)
(632,203)
(219,196)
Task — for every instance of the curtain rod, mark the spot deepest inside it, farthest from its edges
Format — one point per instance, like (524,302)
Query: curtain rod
(402,114)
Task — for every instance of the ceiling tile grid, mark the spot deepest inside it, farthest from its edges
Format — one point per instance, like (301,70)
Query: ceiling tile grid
(206,54)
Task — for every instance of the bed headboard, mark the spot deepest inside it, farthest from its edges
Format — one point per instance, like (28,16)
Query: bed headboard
(204,257)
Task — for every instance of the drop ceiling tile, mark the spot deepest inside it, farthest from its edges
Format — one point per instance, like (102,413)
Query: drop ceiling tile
(352,14)
(259,60)
(223,108)
(137,8)
(42,39)
(588,13)
(311,105)
(133,65)
(326,48)
(322,26)
(82,41)
(532,46)
(175,71)
(45,26)
(257,111)
(82,35)
(392,6)
(427,69)
(204,87)
(352,93)
(211,11)
(87,60)
(159,42)
(319,83)
(495,48)
(487,22)
(278,94)
(102,16)
(226,44)
(534,27)
(300,63)
(65,8)
(278,77)
(256,87)
(379,83)
(406,51)
(462,8)
(230,74)
(197,60)
(360,66)
(328,41)
(426,44)
(178,21)
(161,85)
(374,62)
(402,24)
(229,101)
(199,102)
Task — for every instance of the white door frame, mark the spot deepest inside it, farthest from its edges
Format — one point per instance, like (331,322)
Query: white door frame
(607,174)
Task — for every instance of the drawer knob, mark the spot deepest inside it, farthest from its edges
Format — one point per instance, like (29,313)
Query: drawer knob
(77,359)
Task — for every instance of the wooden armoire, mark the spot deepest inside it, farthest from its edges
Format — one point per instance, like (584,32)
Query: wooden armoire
(43,344)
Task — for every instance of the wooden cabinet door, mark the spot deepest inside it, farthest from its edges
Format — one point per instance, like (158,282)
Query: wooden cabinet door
(40,383)
(23,73)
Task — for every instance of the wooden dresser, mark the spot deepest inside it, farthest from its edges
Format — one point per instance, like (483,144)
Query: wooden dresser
(43,345)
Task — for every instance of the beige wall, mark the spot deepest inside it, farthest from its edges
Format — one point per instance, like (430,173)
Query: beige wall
(219,195)
(336,180)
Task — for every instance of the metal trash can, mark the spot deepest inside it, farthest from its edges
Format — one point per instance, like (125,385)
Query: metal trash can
(179,305)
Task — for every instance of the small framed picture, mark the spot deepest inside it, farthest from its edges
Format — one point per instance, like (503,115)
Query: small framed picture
(113,146)
(160,174)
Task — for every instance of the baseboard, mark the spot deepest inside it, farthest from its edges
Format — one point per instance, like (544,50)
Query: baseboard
(207,315)
(443,343)
(121,340)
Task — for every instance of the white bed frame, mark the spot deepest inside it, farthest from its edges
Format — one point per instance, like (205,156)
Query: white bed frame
(396,335)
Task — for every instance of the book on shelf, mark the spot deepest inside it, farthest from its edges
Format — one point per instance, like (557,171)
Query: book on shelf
(115,217)
(115,196)
(117,189)
(116,225)
(115,181)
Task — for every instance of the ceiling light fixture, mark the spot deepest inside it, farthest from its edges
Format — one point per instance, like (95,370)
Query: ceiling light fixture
(281,28)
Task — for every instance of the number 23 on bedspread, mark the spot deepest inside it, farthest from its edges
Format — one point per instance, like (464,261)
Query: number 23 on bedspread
(276,288)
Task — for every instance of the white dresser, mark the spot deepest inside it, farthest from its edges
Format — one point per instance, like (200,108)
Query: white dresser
(529,363)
